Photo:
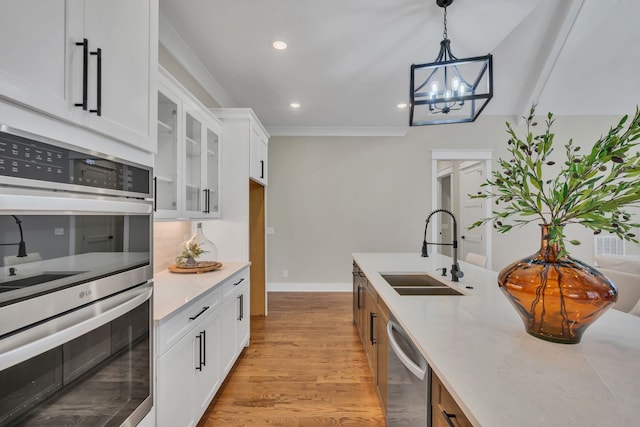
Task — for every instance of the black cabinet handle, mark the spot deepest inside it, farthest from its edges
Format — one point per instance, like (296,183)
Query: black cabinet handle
(85,69)
(447,418)
(208,201)
(241,306)
(204,348)
(204,207)
(199,338)
(238,282)
(261,168)
(155,193)
(199,314)
(372,317)
(98,109)
(359,305)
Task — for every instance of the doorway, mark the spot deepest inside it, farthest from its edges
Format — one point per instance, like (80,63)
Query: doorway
(257,249)
(455,174)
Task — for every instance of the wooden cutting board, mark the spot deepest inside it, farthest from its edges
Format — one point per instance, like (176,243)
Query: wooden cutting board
(202,267)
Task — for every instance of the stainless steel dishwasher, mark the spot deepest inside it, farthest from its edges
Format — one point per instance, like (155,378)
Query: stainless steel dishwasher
(409,378)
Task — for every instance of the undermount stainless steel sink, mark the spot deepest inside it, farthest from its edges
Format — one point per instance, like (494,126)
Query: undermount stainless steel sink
(418,284)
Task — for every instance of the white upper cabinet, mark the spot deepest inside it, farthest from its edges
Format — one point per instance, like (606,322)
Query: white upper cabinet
(250,139)
(34,65)
(258,155)
(89,62)
(187,164)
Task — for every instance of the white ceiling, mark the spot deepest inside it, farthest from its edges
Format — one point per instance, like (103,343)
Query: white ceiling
(348,61)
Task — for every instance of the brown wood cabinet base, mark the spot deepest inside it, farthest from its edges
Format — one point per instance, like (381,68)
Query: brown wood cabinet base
(445,412)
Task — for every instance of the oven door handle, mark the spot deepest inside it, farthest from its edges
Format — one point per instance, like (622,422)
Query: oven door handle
(418,371)
(38,203)
(52,333)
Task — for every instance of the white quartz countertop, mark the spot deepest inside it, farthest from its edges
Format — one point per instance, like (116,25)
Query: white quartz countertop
(499,374)
(174,290)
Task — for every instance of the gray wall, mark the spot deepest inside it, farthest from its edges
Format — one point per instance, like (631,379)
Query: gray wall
(331,196)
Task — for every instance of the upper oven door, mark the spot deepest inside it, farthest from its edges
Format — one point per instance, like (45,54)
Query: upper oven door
(60,250)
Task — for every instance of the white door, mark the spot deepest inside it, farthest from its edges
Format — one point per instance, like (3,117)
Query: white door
(97,233)
(471,210)
(445,222)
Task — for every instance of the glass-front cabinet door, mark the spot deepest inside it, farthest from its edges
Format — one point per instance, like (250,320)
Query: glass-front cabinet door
(193,166)
(212,172)
(166,171)
(187,164)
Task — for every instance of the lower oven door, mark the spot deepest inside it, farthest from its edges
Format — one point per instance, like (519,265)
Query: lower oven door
(90,367)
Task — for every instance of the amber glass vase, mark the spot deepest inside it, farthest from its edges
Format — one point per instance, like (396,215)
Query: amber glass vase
(557,296)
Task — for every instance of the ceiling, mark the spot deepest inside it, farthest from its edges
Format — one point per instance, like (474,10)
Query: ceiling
(348,61)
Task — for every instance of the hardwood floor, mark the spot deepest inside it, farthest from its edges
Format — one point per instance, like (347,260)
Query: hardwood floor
(305,366)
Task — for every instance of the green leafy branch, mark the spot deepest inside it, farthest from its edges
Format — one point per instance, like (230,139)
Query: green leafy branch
(190,250)
(592,189)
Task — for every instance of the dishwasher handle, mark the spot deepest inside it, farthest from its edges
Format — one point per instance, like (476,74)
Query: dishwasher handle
(418,371)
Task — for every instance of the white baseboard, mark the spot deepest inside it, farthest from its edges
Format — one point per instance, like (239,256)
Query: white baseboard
(308,287)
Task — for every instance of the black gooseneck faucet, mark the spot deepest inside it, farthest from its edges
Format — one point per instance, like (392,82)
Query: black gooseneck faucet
(22,246)
(456,273)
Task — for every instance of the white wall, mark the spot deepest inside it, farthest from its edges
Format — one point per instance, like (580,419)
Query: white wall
(331,196)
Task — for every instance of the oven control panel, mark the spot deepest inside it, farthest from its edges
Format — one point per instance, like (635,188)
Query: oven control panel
(27,158)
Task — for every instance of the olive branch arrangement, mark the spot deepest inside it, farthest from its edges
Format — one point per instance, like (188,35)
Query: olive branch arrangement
(591,189)
(190,250)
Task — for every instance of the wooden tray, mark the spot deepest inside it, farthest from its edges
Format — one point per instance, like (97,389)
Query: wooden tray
(202,267)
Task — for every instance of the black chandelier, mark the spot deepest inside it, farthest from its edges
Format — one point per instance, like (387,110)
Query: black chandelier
(450,90)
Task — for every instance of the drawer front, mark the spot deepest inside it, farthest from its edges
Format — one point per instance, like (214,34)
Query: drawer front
(185,319)
(233,282)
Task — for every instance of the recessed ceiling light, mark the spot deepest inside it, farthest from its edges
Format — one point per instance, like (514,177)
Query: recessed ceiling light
(279,45)
(294,105)
(402,105)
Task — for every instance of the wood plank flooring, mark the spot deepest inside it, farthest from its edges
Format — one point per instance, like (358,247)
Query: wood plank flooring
(305,367)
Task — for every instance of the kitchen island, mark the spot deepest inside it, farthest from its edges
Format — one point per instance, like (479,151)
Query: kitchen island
(499,375)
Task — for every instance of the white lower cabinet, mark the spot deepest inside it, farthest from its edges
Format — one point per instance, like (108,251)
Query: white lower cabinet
(197,347)
(235,318)
(206,364)
(176,385)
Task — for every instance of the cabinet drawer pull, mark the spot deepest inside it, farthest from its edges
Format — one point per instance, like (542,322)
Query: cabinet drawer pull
(238,282)
(372,317)
(199,366)
(241,307)
(261,168)
(448,417)
(199,314)
(98,109)
(204,348)
(359,290)
(85,69)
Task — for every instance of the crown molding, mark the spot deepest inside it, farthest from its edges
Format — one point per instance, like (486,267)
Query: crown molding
(336,131)
(181,51)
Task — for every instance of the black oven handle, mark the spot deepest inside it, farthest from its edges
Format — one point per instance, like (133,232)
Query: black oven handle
(33,341)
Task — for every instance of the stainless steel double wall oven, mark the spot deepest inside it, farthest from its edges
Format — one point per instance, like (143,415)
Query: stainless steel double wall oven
(75,285)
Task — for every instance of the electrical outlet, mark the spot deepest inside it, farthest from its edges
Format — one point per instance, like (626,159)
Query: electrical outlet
(285,273)
(58,231)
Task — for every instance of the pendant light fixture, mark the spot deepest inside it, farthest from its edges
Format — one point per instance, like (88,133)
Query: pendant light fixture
(450,90)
